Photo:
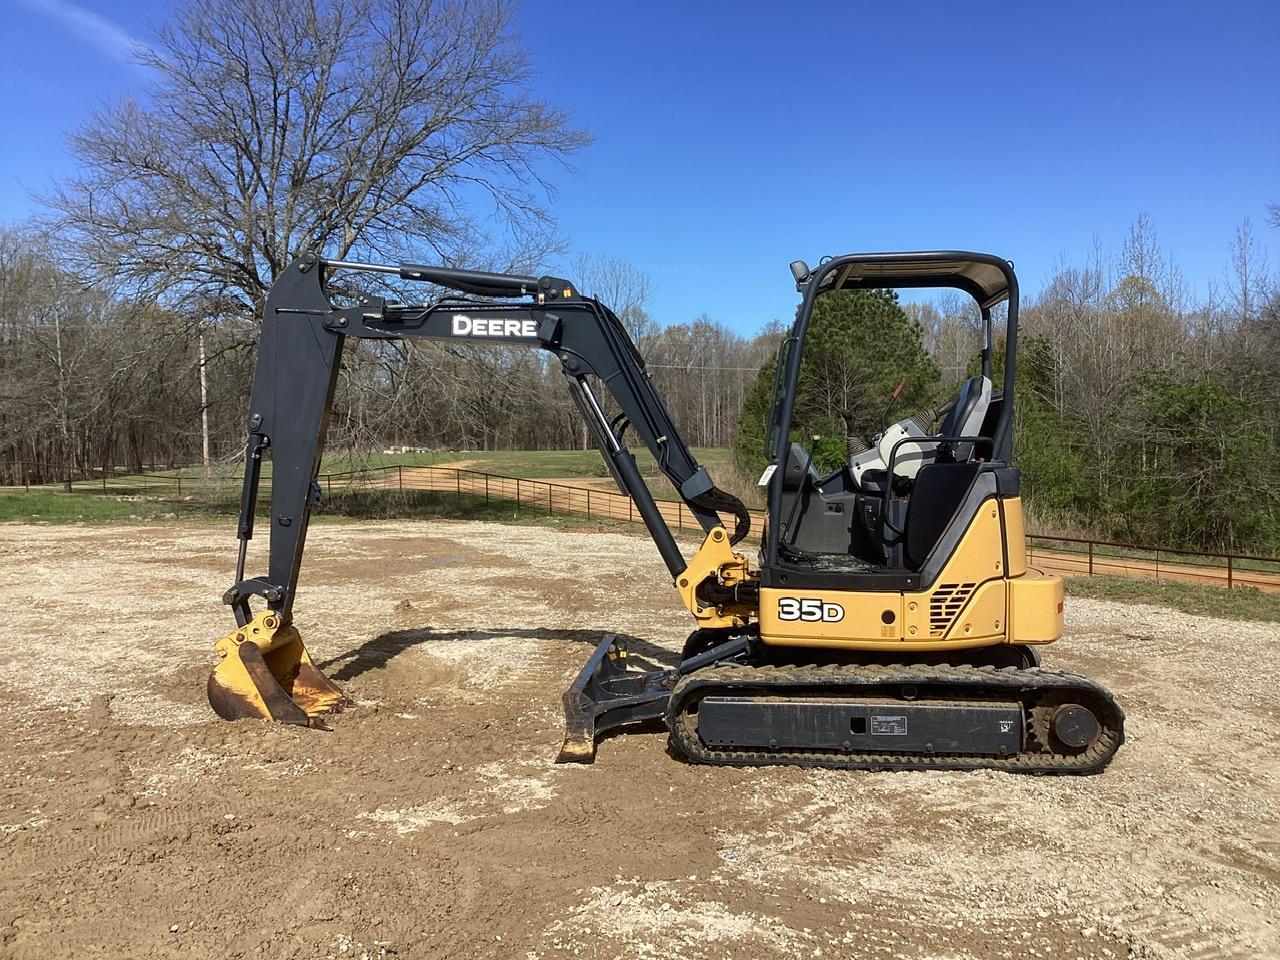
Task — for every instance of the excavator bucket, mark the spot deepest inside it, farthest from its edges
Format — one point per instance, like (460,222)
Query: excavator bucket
(264,671)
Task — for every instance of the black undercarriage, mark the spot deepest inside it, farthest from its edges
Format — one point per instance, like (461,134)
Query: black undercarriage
(733,701)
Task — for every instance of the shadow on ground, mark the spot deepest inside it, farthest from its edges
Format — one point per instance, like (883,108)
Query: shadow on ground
(376,653)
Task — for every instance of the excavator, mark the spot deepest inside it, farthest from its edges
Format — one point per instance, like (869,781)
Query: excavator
(889,620)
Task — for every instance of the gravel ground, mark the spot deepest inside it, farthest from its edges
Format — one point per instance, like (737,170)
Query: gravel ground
(431,822)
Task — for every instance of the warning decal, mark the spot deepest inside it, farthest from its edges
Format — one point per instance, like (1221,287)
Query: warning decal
(888,726)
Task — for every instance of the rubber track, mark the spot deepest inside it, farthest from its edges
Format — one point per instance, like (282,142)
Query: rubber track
(1026,685)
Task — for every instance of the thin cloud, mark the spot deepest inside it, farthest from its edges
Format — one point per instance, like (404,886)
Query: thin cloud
(93,28)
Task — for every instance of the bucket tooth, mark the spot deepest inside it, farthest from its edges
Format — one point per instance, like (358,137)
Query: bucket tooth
(264,671)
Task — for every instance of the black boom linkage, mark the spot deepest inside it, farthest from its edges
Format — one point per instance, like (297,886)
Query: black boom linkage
(298,355)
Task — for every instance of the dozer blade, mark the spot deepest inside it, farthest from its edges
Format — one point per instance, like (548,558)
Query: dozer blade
(266,672)
(606,695)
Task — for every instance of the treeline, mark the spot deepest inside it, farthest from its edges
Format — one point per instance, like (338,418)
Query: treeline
(1144,413)
(93,382)
(1149,414)
(405,130)
(90,381)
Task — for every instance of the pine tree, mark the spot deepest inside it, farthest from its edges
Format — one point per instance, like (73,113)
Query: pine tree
(859,345)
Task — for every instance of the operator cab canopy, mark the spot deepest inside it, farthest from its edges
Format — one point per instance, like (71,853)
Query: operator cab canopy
(986,279)
(885,510)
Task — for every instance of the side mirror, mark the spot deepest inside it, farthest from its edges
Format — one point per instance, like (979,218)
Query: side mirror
(800,270)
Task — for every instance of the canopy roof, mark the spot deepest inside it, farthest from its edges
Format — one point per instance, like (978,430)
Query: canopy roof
(986,278)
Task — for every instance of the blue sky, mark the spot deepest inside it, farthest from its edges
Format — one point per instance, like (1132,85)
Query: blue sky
(733,138)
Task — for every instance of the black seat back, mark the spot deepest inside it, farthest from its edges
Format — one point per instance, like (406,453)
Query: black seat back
(939,490)
(984,451)
(964,418)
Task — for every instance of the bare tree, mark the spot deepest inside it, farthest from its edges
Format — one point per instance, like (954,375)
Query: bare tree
(952,326)
(1247,280)
(378,128)
(620,285)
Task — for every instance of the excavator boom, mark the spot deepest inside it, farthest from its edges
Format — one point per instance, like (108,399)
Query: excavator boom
(265,670)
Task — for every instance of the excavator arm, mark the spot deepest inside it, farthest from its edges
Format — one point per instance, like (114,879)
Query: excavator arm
(265,670)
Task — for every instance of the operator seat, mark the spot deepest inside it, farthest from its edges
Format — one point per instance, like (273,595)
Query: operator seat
(965,419)
(942,484)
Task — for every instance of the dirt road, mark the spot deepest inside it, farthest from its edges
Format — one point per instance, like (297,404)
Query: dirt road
(431,822)
(598,497)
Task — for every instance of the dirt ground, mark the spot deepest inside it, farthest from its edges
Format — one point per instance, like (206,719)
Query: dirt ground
(431,821)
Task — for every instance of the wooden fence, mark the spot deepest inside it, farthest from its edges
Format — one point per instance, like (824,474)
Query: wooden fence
(1068,556)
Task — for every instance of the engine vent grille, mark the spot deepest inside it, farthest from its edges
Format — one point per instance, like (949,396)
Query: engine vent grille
(945,605)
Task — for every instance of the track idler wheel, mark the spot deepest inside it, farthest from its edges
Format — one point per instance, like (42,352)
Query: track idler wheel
(1073,727)
(265,672)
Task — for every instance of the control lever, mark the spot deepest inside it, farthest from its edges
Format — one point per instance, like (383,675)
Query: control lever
(893,398)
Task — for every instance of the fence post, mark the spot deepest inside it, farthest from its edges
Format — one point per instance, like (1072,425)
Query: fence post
(179,484)
(400,471)
(104,481)
(328,486)
(550,490)
(588,504)
(631,510)
(1091,558)
(486,488)
(679,516)
(1229,571)
(457,484)
(517,496)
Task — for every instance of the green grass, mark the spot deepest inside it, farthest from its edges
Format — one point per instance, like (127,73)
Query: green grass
(45,507)
(543,464)
(530,464)
(427,504)
(64,508)
(1245,603)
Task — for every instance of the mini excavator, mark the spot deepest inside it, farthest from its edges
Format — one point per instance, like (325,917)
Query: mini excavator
(889,620)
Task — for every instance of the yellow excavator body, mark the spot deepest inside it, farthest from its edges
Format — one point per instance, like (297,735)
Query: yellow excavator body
(976,601)
(888,620)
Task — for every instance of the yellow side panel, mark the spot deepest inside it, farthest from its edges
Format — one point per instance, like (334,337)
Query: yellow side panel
(1035,608)
(829,618)
(965,607)
(943,611)
(983,618)
(1015,534)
